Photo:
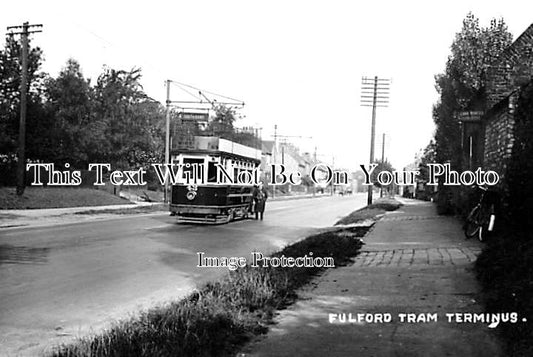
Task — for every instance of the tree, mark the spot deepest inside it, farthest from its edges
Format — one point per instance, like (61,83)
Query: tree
(147,134)
(222,123)
(10,77)
(462,84)
(68,120)
(69,102)
(382,166)
(127,124)
(462,87)
(428,157)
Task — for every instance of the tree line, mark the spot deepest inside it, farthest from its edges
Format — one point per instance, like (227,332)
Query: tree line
(69,119)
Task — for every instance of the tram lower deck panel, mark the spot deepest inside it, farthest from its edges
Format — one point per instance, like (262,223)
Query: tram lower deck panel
(210,204)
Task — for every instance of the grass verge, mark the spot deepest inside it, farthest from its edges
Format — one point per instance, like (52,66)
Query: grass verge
(220,317)
(135,210)
(372,211)
(56,197)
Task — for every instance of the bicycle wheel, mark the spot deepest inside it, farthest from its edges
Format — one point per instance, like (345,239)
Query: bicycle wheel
(480,233)
(472,225)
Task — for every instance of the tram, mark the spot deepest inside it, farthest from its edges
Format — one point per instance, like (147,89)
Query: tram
(215,182)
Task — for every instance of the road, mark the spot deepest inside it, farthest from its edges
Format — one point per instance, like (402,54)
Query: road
(61,282)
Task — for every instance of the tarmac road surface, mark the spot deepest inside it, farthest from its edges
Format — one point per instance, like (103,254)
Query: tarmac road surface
(61,282)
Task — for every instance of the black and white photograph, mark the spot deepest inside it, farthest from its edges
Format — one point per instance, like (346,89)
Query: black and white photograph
(266,178)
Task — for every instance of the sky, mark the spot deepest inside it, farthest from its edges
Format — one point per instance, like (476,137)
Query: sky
(295,64)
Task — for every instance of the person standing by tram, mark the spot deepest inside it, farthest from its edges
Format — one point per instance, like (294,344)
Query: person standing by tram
(260,197)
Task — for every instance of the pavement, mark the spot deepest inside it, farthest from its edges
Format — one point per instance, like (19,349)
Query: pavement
(16,218)
(415,268)
(43,217)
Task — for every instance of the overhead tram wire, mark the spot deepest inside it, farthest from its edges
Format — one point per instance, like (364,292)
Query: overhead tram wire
(206,91)
(195,96)
(201,92)
(145,63)
(118,49)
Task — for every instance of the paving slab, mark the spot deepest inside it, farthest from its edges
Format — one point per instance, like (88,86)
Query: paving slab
(416,269)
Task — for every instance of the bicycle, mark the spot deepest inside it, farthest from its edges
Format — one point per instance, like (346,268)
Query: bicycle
(481,217)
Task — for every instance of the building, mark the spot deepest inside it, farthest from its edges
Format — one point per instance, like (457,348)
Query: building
(287,154)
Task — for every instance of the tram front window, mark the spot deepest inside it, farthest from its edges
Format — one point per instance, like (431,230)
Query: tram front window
(194,171)
(211,172)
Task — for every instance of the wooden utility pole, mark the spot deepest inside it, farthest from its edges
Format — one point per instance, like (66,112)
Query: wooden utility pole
(314,163)
(167,136)
(274,158)
(382,160)
(283,141)
(372,137)
(374,93)
(333,168)
(383,149)
(21,163)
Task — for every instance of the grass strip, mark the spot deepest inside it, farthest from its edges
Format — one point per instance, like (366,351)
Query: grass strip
(133,210)
(56,197)
(372,211)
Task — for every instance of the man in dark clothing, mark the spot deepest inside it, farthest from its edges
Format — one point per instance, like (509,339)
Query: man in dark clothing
(260,196)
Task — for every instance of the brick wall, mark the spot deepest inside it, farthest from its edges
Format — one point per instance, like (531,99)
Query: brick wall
(513,68)
(499,138)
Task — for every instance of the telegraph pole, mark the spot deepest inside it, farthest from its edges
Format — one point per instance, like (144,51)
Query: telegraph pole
(374,93)
(333,168)
(382,160)
(21,163)
(314,163)
(383,149)
(274,149)
(283,141)
(167,136)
